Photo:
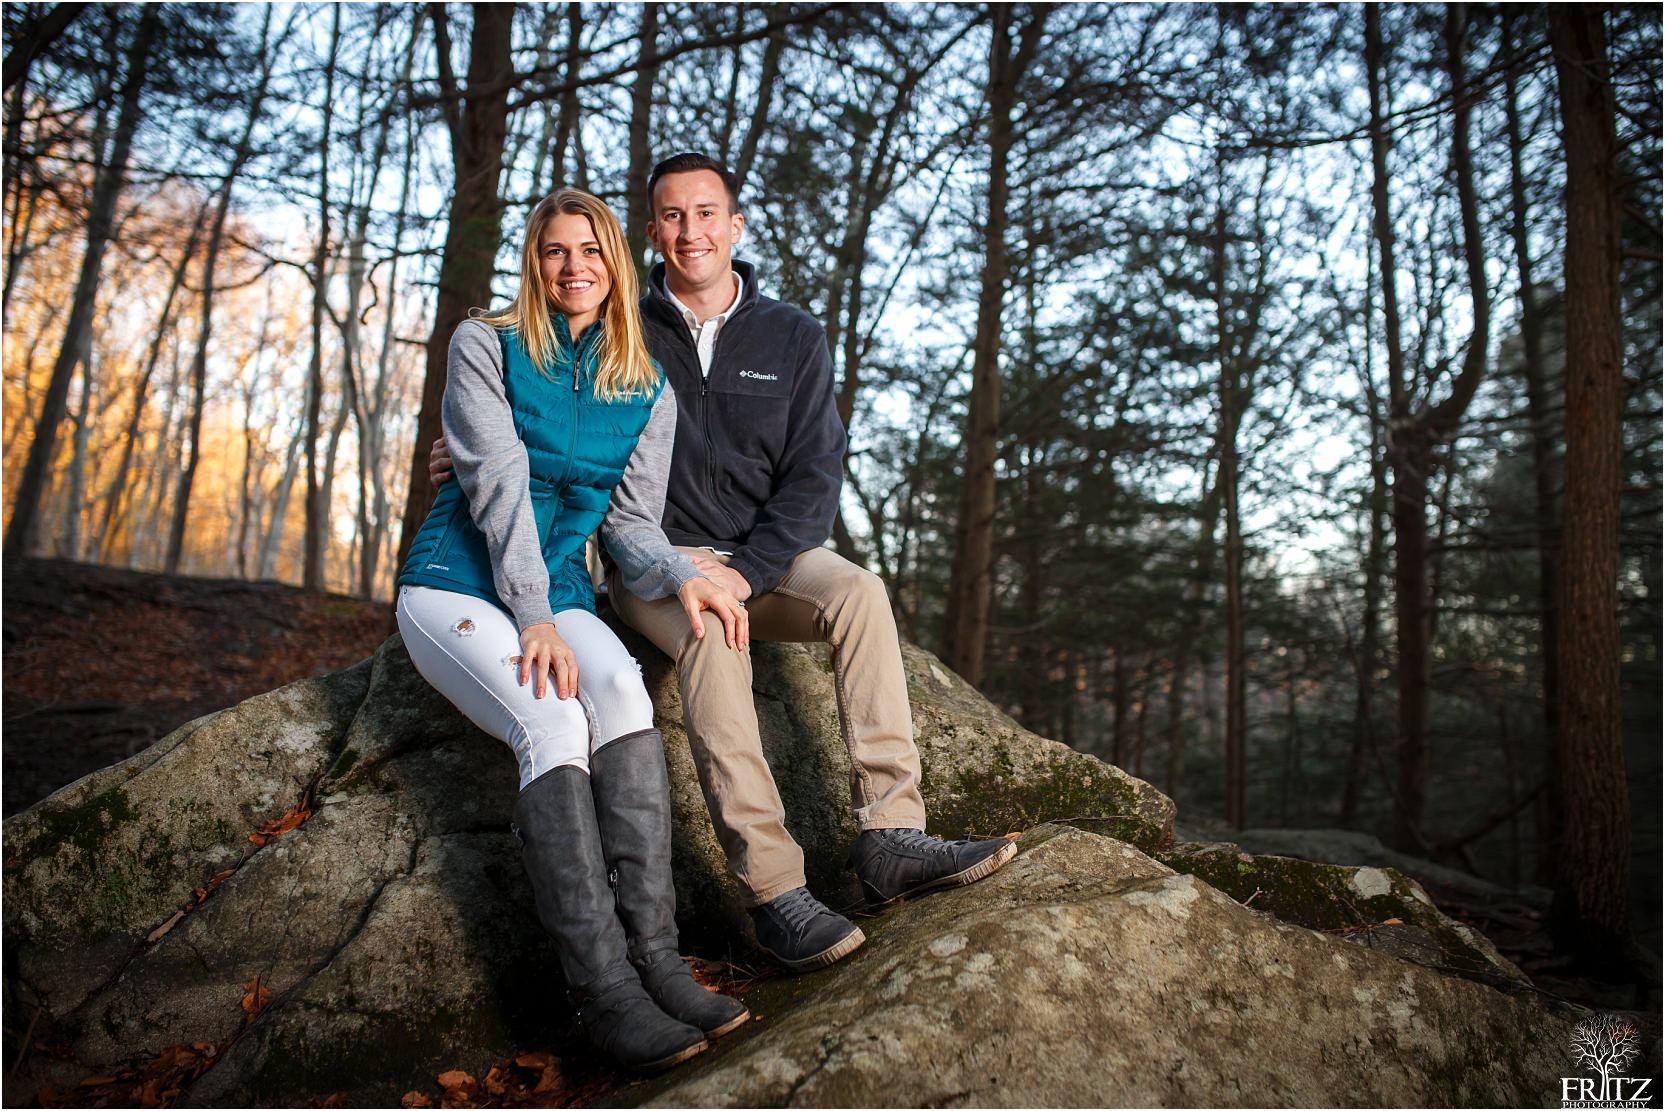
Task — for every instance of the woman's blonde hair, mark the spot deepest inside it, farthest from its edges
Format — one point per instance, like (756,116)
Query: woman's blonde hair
(625,369)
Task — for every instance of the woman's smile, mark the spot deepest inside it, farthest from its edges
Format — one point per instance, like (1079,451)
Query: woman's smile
(574,270)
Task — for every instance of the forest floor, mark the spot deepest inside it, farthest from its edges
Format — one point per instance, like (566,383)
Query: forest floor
(100,662)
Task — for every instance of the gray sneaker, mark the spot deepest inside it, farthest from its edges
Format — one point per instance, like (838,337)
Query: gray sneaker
(895,864)
(800,932)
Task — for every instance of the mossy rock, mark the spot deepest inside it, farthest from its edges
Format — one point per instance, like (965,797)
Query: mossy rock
(1378,908)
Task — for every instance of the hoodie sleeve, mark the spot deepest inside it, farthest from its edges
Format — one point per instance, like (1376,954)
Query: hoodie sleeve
(650,567)
(799,513)
(490,464)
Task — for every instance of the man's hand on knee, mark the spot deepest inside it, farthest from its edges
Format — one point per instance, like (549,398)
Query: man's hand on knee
(724,576)
(697,595)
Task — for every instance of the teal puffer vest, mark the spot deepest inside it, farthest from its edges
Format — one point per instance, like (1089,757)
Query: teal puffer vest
(576,445)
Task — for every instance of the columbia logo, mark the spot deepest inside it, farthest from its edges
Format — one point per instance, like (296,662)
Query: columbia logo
(759,377)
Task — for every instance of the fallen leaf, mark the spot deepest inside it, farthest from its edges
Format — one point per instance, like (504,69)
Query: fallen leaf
(1393,922)
(156,934)
(97,1081)
(548,1081)
(414,1098)
(256,997)
(538,1059)
(456,1078)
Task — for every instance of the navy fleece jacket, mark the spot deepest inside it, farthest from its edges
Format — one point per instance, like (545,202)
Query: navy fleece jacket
(759,454)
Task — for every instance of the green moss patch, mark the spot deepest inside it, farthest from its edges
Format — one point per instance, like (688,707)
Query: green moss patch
(1352,902)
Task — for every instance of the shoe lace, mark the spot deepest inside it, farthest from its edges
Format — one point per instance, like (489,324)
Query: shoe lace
(919,840)
(798,908)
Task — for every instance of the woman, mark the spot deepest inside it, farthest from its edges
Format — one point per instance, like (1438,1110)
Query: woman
(545,402)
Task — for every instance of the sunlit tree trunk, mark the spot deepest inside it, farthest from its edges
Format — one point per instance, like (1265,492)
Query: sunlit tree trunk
(271,544)
(1592,899)
(76,501)
(240,156)
(111,177)
(318,485)
(116,494)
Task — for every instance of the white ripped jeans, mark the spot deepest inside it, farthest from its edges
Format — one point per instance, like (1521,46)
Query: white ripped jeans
(464,646)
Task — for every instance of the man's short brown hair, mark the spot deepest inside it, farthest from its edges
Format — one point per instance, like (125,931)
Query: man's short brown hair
(688,162)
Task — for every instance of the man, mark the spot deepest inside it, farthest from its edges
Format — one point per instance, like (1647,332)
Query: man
(754,482)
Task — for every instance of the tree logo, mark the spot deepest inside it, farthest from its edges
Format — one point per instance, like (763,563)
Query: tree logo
(1604,1045)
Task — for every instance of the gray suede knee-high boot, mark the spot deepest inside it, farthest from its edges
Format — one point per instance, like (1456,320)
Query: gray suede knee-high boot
(555,818)
(633,808)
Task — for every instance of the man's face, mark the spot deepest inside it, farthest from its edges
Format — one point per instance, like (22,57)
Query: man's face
(694,230)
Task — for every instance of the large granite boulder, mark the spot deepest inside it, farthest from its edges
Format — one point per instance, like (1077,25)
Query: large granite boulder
(320,884)
(1087,974)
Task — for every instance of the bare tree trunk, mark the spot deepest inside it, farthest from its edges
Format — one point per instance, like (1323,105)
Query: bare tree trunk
(115,496)
(965,637)
(378,406)
(147,531)
(29,41)
(272,544)
(768,74)
(1143,716)
(359,397)
(1419,428)
(566,125)
(241,153)
(76,500)
(641,126)
(32,39)
(545,145)
(1178,676)
(318,486)
(1540,410)
(111,178)
(1292,743)
(1592,901)
(478,121)
(1230,395)
(1118,704)
(1369,650)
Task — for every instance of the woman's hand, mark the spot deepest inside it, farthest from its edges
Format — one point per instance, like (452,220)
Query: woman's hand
(439,464)
(704,594)
(543,652)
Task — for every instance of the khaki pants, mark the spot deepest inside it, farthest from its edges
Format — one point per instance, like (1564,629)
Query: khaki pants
(824,597)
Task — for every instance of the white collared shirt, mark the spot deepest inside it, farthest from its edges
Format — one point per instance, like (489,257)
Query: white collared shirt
(705,335)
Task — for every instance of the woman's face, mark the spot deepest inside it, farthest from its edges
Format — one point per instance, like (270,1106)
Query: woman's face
(573,271)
